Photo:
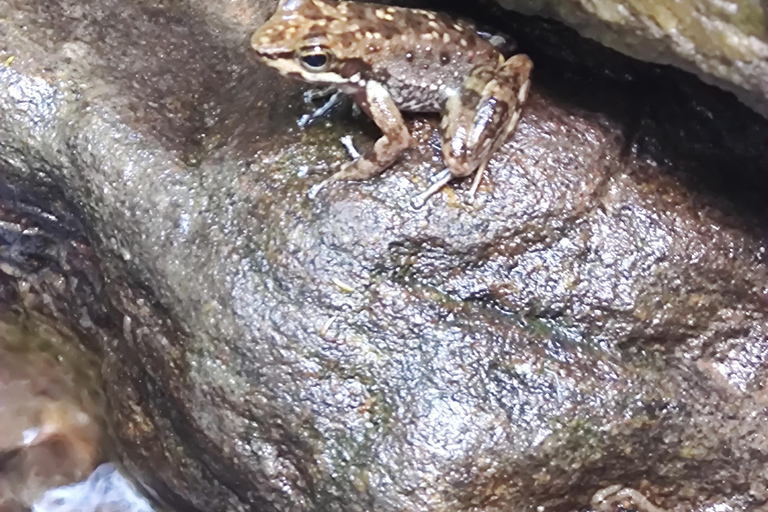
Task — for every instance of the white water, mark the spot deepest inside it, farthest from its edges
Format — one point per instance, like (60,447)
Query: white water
(106,490)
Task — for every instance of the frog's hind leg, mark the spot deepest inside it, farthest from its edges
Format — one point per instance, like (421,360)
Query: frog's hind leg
(483,115)
(513,82)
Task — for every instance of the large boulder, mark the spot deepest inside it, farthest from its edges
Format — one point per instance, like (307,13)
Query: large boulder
(725,43)
(591,330)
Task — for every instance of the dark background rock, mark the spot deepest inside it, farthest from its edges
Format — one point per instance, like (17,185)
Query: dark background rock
(725,43)
(598,318)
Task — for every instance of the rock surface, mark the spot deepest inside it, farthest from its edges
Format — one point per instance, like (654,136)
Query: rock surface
(725,43)
(598,319)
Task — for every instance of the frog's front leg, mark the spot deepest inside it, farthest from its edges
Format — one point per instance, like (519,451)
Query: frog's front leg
(333,99)
(379,105)
(479,119)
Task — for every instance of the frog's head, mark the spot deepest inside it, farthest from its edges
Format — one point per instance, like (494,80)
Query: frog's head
(298,41)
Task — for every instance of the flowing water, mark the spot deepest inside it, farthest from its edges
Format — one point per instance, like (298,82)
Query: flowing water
(54,450)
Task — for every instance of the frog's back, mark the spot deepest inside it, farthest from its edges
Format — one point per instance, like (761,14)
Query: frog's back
(421,57)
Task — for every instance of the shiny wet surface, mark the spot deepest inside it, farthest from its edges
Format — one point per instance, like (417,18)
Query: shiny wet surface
(597,318)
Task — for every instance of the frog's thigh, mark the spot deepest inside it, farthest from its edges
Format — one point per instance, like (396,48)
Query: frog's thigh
(484,114)
(380,106)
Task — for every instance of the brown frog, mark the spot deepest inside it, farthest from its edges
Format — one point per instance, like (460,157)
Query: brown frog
(392,60)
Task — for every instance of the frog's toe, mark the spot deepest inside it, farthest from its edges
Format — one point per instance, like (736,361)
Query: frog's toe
(418,201)
(336,176)
(318,94)
(314,189)
(476,183)
(439,180)
(349,145)
(304,120)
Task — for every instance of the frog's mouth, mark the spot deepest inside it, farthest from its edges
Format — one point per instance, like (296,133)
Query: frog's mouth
(291,68)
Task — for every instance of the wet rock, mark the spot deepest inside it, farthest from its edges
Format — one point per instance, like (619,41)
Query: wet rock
(725,43)
(596,319)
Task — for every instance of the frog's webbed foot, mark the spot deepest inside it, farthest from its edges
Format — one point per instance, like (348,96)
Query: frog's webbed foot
(334,99)
(439,180)
(362,167)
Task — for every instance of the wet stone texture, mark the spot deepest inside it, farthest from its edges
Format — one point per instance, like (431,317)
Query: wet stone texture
(591,333)
(726,43)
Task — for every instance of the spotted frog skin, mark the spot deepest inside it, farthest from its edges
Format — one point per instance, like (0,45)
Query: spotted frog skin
(392,60)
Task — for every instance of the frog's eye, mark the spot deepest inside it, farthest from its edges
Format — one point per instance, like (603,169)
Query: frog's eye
(315,58)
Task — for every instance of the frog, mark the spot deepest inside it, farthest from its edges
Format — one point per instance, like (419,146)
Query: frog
(392,60)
